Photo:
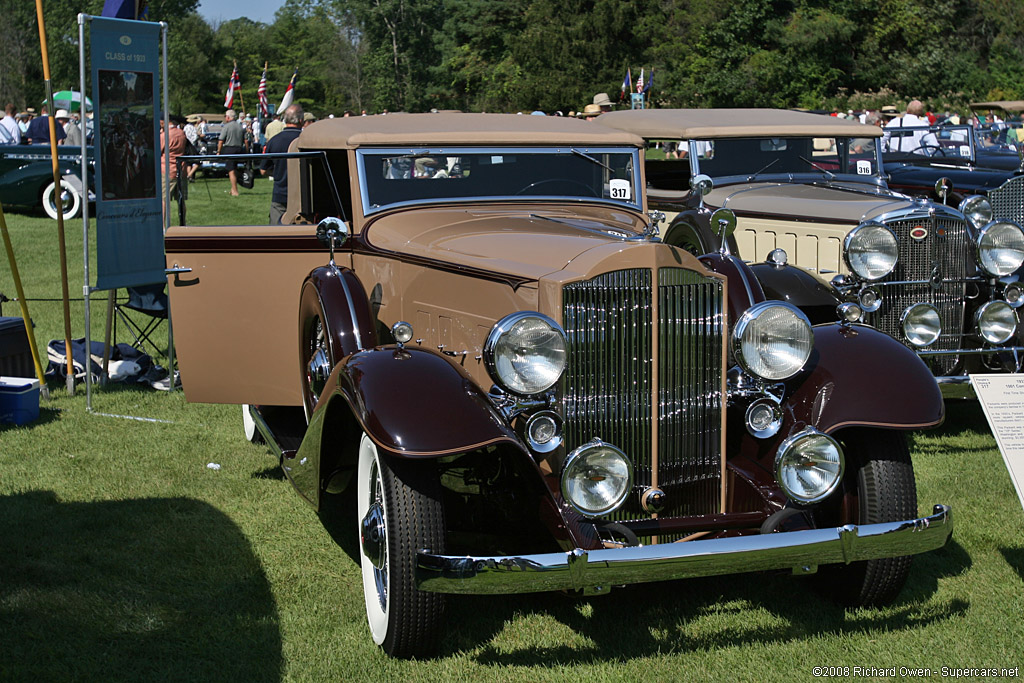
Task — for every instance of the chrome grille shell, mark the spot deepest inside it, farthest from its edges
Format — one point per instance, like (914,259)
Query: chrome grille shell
(644,344)
(931,270)
(1007,200)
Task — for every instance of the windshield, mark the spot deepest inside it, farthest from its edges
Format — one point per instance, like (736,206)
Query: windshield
(754,157)
(952,142)
(392,177)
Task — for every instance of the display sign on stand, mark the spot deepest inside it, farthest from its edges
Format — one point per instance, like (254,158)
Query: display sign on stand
(129,211)
(1002,397)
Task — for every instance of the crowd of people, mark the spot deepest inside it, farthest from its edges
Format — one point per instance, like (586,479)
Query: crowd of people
(31,128)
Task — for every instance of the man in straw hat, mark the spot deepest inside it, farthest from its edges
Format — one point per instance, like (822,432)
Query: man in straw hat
(602,101)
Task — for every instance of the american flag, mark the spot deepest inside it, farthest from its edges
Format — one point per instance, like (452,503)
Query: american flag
(262,92)
(234,84)
(640,82)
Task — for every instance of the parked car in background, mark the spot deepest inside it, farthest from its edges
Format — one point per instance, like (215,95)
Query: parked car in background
(814,188)
(468,324)
(26,179)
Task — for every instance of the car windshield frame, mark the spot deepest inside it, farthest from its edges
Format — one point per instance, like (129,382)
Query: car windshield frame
(373,173)
(801,163)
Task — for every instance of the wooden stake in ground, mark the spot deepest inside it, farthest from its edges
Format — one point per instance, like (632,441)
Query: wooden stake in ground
(68,356)
(24,306)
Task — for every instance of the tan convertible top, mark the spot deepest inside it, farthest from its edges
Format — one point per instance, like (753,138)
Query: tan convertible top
(699,124)
(1005,105)
(458,129)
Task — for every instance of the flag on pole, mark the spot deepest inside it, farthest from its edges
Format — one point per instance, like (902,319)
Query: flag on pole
(650,82)
(626,83)
(262,92)
(289,95)
(234,84)
(640,81)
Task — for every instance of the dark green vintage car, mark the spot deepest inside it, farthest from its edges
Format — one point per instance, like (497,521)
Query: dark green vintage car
(26,179)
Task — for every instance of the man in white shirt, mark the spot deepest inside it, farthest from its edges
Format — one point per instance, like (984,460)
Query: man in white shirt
(10,133)
(917,141)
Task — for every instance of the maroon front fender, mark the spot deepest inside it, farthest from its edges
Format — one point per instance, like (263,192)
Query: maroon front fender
(859,376)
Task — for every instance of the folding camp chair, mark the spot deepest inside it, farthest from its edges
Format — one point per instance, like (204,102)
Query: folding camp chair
(149,301)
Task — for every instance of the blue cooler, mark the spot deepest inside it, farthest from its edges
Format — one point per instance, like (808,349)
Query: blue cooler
(19,399)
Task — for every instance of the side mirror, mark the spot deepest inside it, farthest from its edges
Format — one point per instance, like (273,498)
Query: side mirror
(943,186)
(332,233)
(702,184)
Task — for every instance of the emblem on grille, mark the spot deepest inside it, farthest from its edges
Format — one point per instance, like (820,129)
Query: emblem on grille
(919,232)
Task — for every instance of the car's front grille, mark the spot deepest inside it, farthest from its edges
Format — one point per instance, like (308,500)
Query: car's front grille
(617,326)
(1008,200)
(944,252)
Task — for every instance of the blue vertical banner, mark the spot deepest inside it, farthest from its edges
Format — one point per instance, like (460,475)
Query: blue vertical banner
(126,98)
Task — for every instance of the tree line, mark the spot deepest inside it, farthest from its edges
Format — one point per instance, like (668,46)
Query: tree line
(521,55)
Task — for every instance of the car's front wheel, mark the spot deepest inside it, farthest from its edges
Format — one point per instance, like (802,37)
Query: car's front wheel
(881,488)
(69,200)
(398,512)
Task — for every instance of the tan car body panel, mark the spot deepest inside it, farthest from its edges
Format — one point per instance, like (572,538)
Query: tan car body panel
(237,310)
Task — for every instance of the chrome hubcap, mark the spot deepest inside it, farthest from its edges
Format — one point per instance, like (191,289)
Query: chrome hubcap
(373,535)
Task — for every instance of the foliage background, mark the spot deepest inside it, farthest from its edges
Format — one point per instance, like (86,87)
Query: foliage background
(505,55)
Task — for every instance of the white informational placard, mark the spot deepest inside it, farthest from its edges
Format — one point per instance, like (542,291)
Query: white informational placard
(1002,399)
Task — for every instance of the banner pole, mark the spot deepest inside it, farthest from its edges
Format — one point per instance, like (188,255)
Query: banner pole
(24,307)
(167,224)
(86,289)
(241,100)
(68,355)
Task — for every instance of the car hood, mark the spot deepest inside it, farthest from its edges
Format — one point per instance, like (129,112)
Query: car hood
(965,179)
(527,242)
(834,202)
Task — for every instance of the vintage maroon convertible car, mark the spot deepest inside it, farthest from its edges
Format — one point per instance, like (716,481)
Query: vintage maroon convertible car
(470,325)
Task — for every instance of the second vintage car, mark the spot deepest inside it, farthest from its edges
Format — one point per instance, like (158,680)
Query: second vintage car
(810,190)
(26,179)
(469,326)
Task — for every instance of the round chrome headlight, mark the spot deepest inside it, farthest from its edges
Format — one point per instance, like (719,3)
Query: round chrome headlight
(869,299)
(525,352)
(871,251)
(1001,248)
(977,209)
(921,324)
(996,322)
(1014,295)
(772,340)
(809,466)
(596,478)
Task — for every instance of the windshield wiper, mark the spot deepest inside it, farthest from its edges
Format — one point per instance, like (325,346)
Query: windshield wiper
(763,169)
(592,160)
(830,174)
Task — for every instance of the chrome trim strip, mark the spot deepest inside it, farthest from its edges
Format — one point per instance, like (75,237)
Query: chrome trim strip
(970,352)
(600,569)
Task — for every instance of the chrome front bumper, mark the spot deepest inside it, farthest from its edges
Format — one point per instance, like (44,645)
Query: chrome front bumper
(596,571)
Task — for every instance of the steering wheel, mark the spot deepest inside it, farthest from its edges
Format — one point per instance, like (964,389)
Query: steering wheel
(930,150)
(568,181)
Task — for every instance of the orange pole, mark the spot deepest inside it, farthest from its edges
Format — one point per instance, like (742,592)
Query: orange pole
(68,356)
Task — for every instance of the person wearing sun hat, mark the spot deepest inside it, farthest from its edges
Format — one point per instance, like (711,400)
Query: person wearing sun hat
(602,100)
(71,130)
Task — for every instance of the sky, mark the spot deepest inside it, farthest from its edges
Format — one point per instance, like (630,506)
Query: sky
(224,10)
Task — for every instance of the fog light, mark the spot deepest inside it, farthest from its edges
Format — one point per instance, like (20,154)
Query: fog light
(870,300)
(1013,295)
(764,417)
(996,322)
(402,332)
(809,466)
(849,312)
(596,478)
(921,324)
(544,432)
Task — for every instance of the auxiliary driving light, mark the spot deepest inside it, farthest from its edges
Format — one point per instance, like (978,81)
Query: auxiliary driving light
(921,324)
(596,478)
(809,466)
(996,322)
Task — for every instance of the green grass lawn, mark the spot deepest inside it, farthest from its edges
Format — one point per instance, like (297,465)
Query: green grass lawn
(124,557)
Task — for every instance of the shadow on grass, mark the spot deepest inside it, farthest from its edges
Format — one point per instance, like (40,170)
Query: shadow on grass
(1015,558)
(698,614)
(274,473)
(161,588)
